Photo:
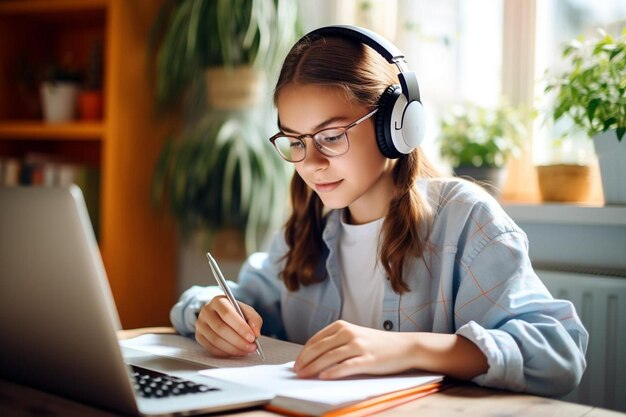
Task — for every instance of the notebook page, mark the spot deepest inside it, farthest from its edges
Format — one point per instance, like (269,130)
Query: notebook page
(282,380)
(179,347)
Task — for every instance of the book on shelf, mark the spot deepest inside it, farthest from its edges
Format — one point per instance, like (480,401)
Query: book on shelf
(37,169)
(359,395)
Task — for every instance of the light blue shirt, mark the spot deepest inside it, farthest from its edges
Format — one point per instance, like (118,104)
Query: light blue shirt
(474,279)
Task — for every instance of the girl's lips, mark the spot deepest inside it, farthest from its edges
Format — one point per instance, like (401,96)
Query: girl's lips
(327,186)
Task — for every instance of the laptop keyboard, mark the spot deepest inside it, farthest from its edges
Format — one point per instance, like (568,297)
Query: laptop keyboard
(153,384)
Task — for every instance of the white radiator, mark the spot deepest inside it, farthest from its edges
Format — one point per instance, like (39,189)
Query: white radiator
(600,301)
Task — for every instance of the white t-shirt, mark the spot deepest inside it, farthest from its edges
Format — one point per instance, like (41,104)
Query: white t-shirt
(362,274)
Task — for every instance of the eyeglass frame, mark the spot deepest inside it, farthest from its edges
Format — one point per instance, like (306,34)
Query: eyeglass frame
(301,138)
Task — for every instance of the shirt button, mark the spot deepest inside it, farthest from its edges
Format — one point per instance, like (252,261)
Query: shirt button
(388,325)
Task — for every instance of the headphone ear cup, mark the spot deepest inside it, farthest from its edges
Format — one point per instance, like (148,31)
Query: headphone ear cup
(384,137)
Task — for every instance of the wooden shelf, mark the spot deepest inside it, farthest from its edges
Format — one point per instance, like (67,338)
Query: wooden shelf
(37,130)
(124,147)
(43,6)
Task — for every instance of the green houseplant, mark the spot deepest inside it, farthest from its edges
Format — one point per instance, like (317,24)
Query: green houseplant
(190,36)
(591,94)
(59,91)
(478,141)
(214,59)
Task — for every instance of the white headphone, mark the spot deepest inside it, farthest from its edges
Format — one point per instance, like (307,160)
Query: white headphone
(400,121)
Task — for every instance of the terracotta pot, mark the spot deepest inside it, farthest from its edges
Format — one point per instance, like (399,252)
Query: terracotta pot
(90,105)
(564,182)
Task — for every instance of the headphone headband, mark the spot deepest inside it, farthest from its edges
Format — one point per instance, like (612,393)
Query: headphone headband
(372,39)
(400,120)
(386,49)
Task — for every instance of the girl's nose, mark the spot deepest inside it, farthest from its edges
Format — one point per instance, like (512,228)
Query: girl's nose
(314,159)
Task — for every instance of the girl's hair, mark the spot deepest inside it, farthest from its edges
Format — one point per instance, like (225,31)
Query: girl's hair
(362,75)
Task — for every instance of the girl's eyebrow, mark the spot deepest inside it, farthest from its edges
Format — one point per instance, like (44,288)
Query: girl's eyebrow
(325,123)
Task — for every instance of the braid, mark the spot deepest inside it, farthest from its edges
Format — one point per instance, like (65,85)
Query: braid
(401,237)
(303,234)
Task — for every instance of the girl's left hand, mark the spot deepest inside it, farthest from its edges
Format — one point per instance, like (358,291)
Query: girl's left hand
(342,349)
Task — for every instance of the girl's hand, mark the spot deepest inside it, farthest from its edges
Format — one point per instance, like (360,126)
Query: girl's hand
(342,349)
(222,331)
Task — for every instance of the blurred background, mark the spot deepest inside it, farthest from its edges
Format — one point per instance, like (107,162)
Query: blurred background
(160,111)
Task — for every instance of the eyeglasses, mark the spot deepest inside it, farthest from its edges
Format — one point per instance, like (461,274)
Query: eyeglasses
(332,141)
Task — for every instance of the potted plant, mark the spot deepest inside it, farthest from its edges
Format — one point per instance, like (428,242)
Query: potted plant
(230,37)
(591,95)
(59,92)
(214,59)
(478,141)
(90,97)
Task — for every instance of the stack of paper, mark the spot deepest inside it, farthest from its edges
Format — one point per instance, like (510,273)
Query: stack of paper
(362,395)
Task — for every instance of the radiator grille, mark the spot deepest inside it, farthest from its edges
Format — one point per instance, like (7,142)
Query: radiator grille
(600,301)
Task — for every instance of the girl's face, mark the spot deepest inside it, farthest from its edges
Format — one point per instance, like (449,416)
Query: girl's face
(361,178)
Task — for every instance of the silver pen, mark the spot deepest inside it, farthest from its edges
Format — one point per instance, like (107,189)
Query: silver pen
(217,274)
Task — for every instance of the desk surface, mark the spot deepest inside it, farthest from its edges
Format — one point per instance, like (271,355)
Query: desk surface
(461,400)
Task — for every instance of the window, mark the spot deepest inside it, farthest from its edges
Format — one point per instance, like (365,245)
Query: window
(479,51)
(558,22)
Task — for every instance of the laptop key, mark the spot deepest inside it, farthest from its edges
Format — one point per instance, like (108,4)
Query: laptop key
(153,384)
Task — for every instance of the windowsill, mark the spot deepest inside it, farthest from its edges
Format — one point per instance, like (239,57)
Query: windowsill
(589,237)
(567,213)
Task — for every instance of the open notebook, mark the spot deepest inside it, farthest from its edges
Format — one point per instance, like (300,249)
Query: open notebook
(360,395)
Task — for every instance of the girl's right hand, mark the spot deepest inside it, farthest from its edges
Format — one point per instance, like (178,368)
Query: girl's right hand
(222,331)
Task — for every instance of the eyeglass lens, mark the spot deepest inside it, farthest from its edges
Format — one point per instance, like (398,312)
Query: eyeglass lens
(330,142)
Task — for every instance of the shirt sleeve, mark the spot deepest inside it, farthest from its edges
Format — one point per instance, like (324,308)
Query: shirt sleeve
(532,342)
(259,286)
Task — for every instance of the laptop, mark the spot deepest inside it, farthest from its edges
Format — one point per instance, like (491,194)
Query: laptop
(58,320)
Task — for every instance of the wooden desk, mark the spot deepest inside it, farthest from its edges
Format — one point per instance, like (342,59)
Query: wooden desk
(463,401)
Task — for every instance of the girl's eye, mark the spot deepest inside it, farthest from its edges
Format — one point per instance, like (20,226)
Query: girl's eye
(331,137)
(296,144)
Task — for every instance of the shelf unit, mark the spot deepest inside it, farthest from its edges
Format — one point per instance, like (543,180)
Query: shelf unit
(36,130)
(137,242)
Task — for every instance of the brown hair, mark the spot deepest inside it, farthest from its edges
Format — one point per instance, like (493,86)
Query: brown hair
(362,75)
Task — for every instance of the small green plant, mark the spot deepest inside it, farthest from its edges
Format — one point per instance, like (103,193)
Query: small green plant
(474,136)
(58,74)
(592,91)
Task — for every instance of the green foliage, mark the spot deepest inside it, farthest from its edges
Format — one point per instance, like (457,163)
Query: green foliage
(221,171)
(224,173)
(190,35)
(592,92)
(475,136)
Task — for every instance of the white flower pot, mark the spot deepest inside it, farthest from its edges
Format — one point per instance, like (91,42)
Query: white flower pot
(612,159)
(58,101)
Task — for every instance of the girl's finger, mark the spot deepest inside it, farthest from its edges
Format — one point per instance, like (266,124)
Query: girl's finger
(314,349)
(225,341)
(255,321)
(231,317)
(328,359)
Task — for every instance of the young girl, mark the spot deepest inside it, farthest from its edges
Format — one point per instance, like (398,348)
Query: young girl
(383,267)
